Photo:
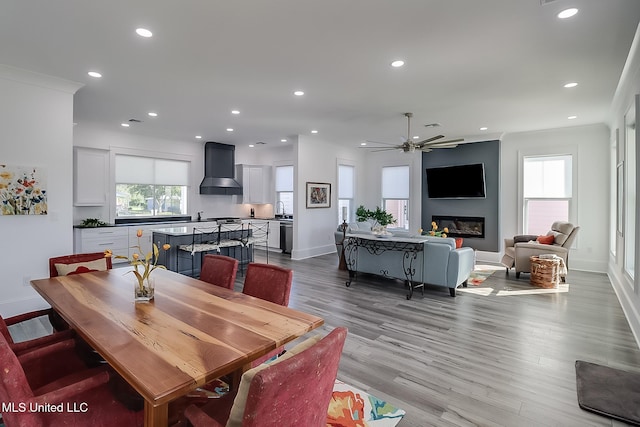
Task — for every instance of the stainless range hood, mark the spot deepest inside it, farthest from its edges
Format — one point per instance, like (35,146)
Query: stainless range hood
(219,170)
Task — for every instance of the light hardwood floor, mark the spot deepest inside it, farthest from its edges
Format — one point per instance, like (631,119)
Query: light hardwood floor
(472,360)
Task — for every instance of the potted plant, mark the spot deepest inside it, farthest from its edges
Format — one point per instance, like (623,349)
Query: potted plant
(379,218)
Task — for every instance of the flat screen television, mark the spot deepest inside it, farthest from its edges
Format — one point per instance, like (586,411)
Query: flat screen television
(456,182)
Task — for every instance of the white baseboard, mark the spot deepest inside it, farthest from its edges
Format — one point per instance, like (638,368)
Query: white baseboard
(626,296)
(311,252)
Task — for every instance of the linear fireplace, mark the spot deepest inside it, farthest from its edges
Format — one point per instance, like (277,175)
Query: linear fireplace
(461,226)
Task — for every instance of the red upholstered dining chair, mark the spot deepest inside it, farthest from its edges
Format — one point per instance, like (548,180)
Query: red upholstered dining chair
(75,264)
(21,347)
(219,270)
(295,390)
(78,263)
(268,282)
(271,283)
(84,396)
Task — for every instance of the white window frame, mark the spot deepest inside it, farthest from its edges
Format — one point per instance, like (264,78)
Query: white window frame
(385,196)
(350,201)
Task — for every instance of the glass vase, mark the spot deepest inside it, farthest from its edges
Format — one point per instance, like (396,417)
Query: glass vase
(144,292)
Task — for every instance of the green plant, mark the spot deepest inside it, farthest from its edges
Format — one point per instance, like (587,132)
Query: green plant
(92,222)
(379,216)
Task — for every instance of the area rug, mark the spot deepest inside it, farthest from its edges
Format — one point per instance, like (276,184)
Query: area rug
(609,392)
(480,273)
(349,406)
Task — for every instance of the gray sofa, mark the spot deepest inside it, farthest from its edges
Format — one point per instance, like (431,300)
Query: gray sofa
(438,263)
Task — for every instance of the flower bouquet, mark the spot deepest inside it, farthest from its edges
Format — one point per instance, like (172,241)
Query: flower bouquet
(142,268)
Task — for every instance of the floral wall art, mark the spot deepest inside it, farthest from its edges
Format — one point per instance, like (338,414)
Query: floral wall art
(22,191)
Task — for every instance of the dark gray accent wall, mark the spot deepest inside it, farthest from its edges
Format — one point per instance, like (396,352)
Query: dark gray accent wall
(487,152)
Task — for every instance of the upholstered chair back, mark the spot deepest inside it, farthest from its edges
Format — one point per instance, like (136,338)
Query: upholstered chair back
(78,263)
(219,270)
(268,282)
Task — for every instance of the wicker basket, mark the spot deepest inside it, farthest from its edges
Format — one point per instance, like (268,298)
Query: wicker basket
(545,273)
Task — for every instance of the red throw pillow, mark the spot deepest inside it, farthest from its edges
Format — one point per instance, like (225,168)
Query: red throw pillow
(546,240)
(459,241)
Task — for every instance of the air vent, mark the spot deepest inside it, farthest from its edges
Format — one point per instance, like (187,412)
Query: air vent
(543,2)
(261,143)
(135,121)
(433,125)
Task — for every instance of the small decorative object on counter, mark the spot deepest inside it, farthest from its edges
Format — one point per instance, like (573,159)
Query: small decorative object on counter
(143,285)
(434,231)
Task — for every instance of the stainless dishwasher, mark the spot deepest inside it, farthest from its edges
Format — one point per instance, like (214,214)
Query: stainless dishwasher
(286,236)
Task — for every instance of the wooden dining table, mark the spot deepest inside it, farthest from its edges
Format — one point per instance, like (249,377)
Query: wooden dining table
(191,333)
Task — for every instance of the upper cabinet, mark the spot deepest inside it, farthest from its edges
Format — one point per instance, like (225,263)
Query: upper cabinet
(90,176)
(256,183)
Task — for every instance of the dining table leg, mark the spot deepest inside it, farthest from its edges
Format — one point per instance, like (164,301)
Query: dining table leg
(156,416)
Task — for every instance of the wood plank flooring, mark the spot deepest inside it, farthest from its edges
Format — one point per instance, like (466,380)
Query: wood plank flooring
(472,360)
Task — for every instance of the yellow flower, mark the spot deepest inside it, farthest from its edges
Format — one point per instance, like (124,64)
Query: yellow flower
(420,230)
(148,262)
(446,230)
(434,225)
(443,235)
(432,233)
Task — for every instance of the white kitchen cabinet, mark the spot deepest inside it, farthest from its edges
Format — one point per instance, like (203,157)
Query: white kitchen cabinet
(88,240)
(274,235)
(256,183)
(90,176)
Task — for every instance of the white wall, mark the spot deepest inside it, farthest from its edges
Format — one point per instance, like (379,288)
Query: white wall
(590,146)
(36,119)
(316,161)
(627,289)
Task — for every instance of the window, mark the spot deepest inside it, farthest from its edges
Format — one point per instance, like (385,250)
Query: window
(346,185)
(284,190)
(395,194)
(547,190)
(148,186)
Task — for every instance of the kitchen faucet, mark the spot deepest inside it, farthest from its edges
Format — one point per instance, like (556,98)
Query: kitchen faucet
(278,204)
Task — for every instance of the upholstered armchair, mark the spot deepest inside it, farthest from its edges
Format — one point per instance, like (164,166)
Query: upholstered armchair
(295,390)
(78,263)
(519,249)
(23,346)
(219,270)
(84,396)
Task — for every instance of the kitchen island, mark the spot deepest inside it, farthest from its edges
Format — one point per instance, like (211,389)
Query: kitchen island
(234,235)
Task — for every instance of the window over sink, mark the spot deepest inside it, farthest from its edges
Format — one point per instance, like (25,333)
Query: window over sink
(148,187)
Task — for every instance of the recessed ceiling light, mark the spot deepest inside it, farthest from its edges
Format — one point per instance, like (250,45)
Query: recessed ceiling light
(572,117)
(567,13)
(235,112)
(152,114)
(298,93)
(483,128)
(95,74)
(397,63)
(124,125)
(229,129)
(143,32)
(283,140)
(416,137)
(571,84)
(251,145)
(363,143)
(198,136)
(314,131)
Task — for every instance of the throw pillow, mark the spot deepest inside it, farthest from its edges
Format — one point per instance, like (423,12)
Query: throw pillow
(81,267)
(546,240)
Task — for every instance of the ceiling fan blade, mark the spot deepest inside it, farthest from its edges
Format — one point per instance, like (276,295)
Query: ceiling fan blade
(447,142)
(383,143)
(433,138)
(384,149)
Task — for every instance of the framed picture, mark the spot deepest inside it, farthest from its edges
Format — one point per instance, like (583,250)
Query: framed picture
(318,195)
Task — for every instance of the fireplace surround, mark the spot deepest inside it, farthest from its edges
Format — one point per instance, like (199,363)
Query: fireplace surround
(461,226)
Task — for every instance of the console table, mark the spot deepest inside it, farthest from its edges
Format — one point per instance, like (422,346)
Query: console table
(408,247)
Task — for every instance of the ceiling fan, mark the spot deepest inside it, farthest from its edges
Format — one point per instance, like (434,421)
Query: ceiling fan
(409,146)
